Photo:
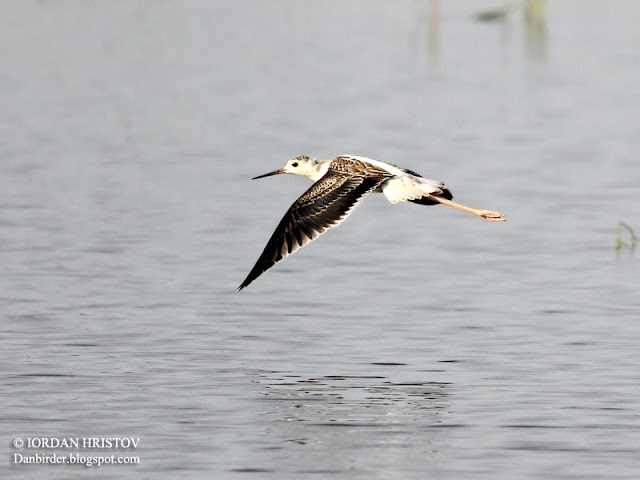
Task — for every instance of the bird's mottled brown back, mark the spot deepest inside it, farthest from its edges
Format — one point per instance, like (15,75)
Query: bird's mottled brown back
(349,166)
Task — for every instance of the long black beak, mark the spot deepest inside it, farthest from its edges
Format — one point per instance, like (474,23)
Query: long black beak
(275,172)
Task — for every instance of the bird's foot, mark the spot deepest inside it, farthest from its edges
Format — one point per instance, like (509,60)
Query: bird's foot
(491,215)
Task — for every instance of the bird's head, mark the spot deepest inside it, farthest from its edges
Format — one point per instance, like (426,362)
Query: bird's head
(301,165)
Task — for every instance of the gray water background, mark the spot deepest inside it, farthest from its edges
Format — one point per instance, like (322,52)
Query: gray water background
(411,342)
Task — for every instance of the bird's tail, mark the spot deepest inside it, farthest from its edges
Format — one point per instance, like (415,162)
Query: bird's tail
(432,188)
(446,193)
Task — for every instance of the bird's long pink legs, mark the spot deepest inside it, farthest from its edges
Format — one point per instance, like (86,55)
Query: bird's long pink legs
(488,214)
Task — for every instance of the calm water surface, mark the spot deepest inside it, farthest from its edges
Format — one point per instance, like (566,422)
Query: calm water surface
(412,342)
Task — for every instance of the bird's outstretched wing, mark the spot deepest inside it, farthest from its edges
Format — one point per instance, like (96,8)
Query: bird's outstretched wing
(326,204)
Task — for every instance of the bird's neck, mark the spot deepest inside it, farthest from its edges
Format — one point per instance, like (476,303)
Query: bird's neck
(319,170)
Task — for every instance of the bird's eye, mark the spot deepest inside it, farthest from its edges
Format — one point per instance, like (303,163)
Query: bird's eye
(294,164)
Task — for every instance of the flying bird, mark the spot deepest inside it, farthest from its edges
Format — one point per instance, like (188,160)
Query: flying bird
(340,184)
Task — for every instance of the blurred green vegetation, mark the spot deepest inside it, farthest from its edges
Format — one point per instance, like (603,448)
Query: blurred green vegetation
(535,24)
(494,15)
(625,237)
